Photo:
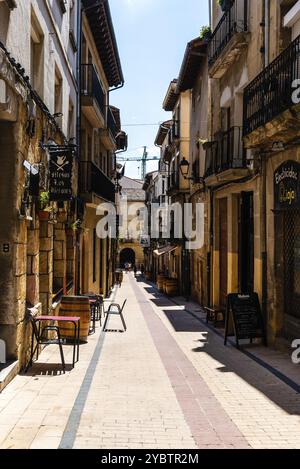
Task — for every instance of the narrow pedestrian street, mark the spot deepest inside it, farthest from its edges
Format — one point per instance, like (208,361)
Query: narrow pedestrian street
(167,382)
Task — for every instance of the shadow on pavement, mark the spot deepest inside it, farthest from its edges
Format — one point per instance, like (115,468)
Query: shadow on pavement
(46,369)
(276,386)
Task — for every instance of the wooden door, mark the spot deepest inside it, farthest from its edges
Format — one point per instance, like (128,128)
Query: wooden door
(223,225)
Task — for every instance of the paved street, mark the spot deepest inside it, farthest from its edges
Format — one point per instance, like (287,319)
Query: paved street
(168,382)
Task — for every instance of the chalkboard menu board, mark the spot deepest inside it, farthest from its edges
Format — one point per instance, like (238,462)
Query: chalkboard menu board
(247,318)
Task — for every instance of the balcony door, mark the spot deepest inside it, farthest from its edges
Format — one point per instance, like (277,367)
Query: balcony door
(223,240)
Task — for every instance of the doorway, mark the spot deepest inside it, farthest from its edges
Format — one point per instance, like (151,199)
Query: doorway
(223,237)
(246,243)
(127,255)
(291,272)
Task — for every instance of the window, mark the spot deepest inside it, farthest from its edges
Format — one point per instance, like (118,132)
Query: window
(58,88)
(89,148)
(71,133)
(72,33)
(36,56)
(96,147)
(94,255)
(4,22)
(62,5)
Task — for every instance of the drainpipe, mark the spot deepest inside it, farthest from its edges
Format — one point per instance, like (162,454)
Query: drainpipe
(78,135)
(263,188)
(267,32)
(263,231)
(210,250)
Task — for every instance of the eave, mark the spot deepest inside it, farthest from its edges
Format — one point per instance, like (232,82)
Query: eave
(195,55)
(163,132)
(101,25)
(171,97)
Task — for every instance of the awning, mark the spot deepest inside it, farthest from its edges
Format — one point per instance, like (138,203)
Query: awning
(164,250)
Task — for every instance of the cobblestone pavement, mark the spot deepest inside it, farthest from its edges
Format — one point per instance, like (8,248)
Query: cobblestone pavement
(168,382)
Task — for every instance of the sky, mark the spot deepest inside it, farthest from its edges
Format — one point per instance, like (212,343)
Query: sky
(152,36)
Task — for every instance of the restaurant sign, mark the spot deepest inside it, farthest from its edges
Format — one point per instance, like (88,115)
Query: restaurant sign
(287,186)
(61,166)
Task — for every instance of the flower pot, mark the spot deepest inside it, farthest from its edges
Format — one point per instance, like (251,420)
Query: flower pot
(207,36)
(43,215)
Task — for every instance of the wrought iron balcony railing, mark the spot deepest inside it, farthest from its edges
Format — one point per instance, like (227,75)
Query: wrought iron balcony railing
(93,180)
(270,93)
(225,153)
(111,123)
(122,141)
(91,85)
(233,21)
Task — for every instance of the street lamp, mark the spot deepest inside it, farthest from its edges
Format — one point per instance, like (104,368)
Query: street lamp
(185,169)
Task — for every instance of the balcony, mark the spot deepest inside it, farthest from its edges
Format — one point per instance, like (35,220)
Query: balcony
(109,134)
(92,96)
(229,39)
(122,141)
(269,110)
(94,182)
(225,158)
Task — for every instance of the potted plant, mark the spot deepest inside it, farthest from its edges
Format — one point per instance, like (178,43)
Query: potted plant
(44,206)
(225,4)
(205,33)
(72,227)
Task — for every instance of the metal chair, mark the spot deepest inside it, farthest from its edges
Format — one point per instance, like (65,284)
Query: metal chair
(38,335)
(115,309)
(96,308)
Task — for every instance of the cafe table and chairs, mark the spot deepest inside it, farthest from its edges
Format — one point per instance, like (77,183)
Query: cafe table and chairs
(40,334)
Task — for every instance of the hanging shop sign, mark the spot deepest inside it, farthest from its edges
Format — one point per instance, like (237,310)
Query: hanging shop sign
(60,166)
(287,186)
(244,318)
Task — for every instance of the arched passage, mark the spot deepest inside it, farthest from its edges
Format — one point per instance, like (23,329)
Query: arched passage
(127,255)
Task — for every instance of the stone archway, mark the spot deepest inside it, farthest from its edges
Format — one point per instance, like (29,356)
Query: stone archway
(127,255)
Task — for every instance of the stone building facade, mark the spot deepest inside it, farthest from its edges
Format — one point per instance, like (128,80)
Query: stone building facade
(252,158)
(130,203)
(193,76)
(101,138)
(38,100)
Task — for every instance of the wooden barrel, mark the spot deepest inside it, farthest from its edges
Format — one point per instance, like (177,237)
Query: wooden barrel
(165,285)
(148,275)
(160,282)
(171,287)
(75,306)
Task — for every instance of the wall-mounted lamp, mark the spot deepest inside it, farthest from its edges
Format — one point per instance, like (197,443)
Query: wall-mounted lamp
(185,169)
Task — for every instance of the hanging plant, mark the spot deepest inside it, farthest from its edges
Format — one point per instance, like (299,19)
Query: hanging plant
(205,33)
(72,227)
